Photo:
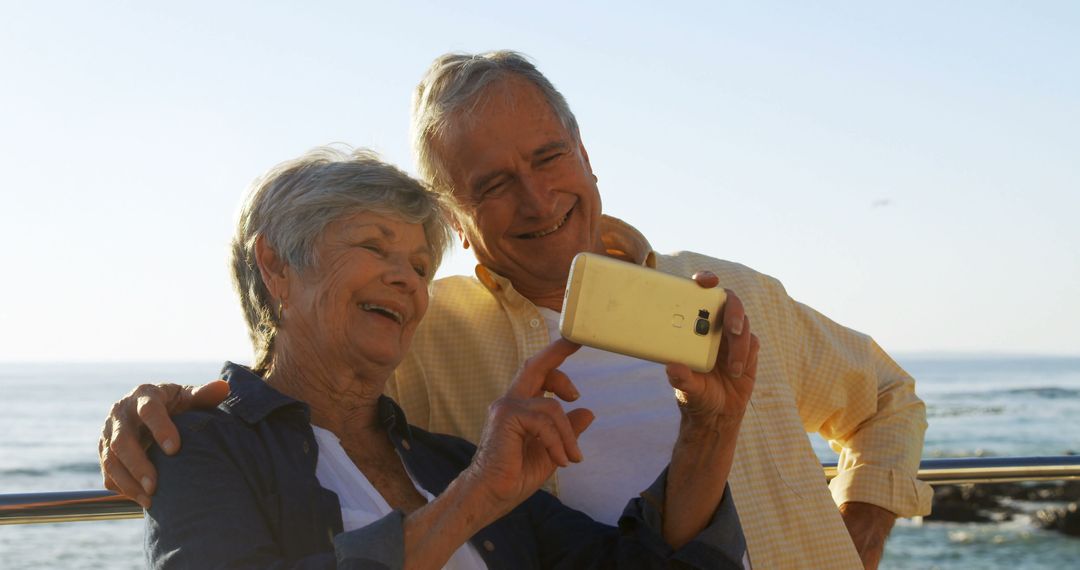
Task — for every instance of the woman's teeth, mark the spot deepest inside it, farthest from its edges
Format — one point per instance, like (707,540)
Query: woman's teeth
(383,310)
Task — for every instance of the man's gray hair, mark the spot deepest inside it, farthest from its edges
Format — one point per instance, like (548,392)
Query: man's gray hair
(454,83)
(292,204)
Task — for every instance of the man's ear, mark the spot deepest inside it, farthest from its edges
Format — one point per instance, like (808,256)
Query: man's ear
(585,155)
(272,268)
(455,222)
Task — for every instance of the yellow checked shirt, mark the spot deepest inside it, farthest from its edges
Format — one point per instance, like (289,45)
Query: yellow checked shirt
(813,376)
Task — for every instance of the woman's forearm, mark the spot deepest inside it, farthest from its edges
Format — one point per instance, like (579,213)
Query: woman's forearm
(700,464)
(434,532)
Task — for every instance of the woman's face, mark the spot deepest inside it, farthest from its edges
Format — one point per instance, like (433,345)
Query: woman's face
(360,303)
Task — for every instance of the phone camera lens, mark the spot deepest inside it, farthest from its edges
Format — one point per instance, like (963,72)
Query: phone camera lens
(701,326)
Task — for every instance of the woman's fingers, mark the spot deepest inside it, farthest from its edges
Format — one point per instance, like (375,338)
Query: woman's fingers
(532,376)
(560,384)
(736,332)
(706,279)
(556,420)
(580,420)
(542,427)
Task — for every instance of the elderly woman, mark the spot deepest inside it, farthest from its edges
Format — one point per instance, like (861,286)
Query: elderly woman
(307,464)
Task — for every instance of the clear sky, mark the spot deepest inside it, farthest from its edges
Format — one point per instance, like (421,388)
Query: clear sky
(912,170)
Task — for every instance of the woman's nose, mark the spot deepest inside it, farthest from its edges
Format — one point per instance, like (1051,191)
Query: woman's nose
(403,275)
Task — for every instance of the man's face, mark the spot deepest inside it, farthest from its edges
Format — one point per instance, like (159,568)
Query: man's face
(525,188)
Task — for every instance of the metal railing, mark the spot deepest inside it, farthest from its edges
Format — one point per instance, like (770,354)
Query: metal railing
(74,506)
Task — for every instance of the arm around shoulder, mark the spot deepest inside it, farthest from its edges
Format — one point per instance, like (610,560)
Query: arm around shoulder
(207,512)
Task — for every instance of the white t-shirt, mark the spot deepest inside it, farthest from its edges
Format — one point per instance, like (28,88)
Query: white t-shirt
(361,503)
(635,413)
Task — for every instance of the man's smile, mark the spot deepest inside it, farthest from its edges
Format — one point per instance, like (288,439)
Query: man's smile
(550,230)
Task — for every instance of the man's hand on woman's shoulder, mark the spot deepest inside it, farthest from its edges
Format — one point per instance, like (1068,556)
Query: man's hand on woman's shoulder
(135,419)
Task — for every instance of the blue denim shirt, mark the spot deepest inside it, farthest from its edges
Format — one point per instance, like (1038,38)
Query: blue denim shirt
(242,493)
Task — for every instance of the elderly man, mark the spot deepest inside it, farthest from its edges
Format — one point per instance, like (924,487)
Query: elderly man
(493,133)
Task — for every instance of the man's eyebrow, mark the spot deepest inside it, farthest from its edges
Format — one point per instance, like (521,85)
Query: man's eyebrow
(484,180)
(553,145)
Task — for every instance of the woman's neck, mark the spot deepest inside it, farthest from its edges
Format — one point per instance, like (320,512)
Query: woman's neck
(341,399)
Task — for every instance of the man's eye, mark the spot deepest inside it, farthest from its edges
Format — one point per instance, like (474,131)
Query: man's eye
(489,192)
(550,158)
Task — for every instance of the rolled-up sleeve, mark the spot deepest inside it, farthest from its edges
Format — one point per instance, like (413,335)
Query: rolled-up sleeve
(852,393)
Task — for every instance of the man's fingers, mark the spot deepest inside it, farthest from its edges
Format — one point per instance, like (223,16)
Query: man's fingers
(154,414)
(121,479)
(530,378)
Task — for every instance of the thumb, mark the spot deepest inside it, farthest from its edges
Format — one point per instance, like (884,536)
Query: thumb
(208,395)
(580,419)
(680,377)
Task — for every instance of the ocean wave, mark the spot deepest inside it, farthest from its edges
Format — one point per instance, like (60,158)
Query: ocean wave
(1046,392)
(23,472)
(939,411)
(83,467)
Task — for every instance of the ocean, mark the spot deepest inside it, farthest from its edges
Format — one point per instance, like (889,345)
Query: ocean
(51,414)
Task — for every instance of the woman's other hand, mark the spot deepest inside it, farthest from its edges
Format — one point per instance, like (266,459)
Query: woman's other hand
(720,396)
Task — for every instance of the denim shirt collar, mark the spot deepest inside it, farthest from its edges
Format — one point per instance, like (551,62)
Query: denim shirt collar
(252,400)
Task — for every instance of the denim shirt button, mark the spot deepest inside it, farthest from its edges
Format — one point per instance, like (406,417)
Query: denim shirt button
(534,323)
(405,444)
(489,546)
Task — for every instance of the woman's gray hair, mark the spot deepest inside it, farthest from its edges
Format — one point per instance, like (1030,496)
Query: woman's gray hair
(453,83)
(292,204)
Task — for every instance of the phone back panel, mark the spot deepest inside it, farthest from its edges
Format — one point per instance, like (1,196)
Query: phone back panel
(641,312)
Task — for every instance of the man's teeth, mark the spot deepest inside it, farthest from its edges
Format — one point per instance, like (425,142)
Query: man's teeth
(543,233)
(384,310)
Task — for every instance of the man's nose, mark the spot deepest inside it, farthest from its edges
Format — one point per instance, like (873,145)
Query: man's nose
(537,197)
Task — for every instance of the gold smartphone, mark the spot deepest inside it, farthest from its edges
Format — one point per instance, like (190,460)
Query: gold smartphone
(620,307)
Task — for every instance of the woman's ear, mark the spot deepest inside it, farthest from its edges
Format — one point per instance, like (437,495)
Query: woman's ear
(273,269)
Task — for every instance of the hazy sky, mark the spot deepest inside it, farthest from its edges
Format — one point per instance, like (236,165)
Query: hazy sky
(913,171)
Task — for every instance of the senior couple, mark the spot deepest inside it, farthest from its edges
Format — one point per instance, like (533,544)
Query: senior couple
(310,463)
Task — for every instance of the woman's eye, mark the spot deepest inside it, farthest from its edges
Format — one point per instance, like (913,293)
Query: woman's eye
(421,270)
(372,248)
